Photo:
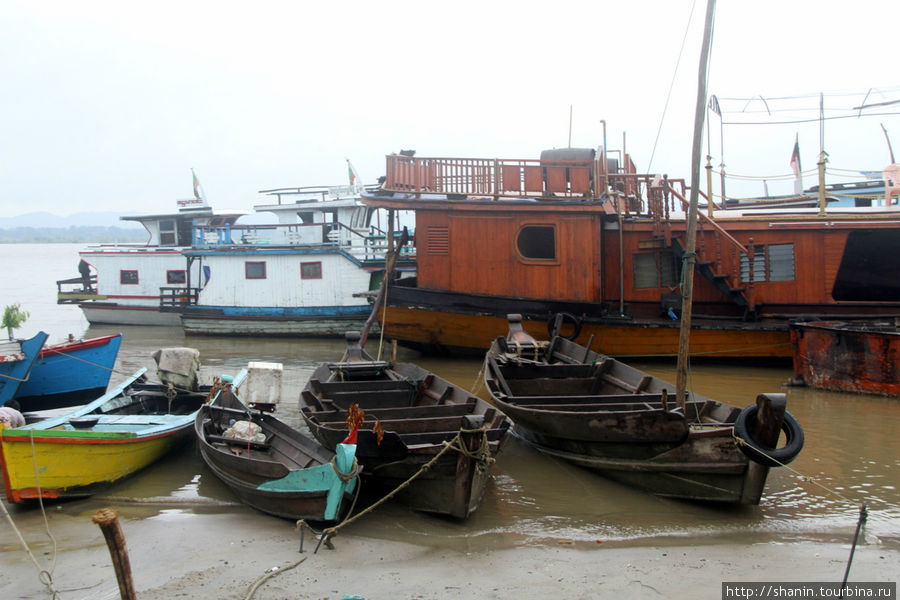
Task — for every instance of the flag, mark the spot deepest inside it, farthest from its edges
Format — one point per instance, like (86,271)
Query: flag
(714,105)
(351,173)
(795,158)
(197,193)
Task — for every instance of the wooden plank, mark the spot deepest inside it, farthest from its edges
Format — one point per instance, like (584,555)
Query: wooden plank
(605,399)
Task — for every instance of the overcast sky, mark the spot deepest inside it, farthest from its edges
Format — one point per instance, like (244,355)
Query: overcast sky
(108,105)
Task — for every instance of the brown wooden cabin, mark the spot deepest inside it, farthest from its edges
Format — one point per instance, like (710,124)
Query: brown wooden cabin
(551,230)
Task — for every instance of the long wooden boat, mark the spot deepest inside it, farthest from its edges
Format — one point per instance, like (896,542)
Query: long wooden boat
(277,470)
(416,413)
(70,373)
(848,356)
(16,361)
(594,411)
(116,435)
(588,237)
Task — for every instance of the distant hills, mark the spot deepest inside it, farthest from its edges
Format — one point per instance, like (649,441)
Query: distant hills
(83,227)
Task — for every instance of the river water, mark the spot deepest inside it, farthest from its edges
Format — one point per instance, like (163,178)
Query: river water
(852,452)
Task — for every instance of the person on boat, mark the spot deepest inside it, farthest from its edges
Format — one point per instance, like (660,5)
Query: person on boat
(85,269)
(10,415)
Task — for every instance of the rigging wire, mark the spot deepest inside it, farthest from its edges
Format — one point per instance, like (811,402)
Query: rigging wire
(662,117)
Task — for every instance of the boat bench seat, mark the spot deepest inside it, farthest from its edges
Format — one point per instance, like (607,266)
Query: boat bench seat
(399,412)
(587,400)
(371,400)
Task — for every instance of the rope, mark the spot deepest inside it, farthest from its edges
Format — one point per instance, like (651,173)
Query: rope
(270,575)
(482,453)
(345,477)
(44,576)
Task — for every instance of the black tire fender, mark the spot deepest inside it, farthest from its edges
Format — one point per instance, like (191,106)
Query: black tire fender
(768,457)
(564,316)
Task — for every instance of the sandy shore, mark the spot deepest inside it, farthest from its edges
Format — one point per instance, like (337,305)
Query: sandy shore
(213,553)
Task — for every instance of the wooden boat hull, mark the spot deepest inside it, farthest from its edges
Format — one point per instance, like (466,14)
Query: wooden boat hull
(70,373)
(447,323)
(596,412)
(707,468)
(308,322)
(419,413)
(16,362)
(76,454)
(848,356)
(74,464)
(290,476)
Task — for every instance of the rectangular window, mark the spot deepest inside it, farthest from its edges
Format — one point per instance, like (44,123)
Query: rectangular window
(774,262)
(167,232)
(654,270)
(255,270)
(175,277)
(311,270)
(128,277)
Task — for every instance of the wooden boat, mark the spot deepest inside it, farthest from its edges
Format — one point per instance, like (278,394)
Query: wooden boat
(16,361)
(417,413)
(848,356)
(580,234)
(284,473)
(70,373)
(594,411)
(116,435)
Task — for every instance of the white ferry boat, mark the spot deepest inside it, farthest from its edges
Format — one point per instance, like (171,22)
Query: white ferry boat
(120,283)
(308,272)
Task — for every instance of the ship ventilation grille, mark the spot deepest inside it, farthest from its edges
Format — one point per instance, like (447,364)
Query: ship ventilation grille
(438,241)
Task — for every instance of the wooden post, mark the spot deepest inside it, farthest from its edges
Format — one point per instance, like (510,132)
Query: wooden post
(691,239)
(108,520)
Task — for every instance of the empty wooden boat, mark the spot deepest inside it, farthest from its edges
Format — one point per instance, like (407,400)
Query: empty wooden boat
(415,413)
(594,411)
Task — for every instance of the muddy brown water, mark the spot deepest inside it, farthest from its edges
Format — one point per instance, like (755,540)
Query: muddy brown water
(852,451)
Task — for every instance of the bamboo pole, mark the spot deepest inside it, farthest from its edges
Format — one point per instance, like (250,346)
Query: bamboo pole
(691,242)
(108,520)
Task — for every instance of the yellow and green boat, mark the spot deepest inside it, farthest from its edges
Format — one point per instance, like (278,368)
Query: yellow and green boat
(120,433)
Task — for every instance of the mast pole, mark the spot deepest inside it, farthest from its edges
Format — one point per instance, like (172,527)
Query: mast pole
(691,242)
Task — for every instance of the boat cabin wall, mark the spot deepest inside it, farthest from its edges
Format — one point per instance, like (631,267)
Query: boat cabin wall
(529,255)
(794,268)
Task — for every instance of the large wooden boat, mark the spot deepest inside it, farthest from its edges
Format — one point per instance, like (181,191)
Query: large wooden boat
(589,409)
(307,274)
(16,361)
(69,373)
(590,238)
(284,473)
(116,435)
(124,286)
(848,356)
(411,416)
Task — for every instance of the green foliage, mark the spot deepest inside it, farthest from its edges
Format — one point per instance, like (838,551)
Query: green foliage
(13,317)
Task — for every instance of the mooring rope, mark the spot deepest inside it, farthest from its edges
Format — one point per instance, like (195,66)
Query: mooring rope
(480,454)
(270,575)
(44,576)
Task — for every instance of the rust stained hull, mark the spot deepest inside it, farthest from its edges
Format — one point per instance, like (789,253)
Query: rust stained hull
(450,332)
(848,356)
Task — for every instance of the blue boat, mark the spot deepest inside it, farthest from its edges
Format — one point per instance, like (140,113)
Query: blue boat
(16,360)
(70,373)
